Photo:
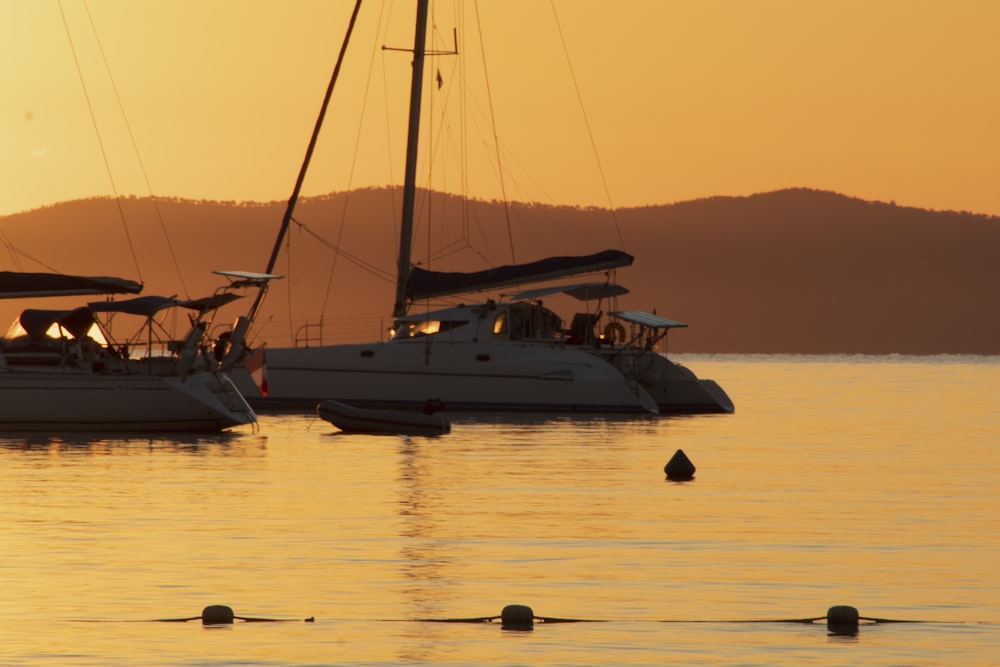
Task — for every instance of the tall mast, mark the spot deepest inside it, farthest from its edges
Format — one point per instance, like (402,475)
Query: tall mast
(410,176)
(293,200)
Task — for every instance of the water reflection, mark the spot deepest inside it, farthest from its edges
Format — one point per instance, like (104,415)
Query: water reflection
(424,556)
(871,484)
(222,444)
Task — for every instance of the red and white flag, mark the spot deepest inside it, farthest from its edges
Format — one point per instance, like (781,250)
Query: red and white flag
(258,370)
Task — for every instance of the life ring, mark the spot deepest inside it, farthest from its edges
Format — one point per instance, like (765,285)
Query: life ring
(614,333)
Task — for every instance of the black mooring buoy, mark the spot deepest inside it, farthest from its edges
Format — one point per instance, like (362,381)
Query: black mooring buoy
(517,617)
(217,614)
(842,619)
(679,467)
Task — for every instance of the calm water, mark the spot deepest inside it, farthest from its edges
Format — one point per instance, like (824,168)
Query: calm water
(841,480)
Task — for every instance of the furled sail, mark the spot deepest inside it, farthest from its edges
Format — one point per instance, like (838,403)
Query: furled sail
(423,284)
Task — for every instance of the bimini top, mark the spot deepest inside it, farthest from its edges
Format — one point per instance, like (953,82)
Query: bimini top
(143,305)
(151,305)
(19,285)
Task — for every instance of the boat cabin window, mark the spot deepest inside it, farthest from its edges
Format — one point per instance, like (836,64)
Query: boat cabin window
(523,320)
(500,323)
(412,329)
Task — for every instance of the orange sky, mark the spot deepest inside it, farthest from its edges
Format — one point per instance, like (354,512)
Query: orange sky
(880,99)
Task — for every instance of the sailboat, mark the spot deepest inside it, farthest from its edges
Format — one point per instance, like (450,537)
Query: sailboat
(74,370)
(498,355)
(63,370)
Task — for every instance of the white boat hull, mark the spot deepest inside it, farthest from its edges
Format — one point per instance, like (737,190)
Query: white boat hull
(467,376)
(675,388)
(93,402)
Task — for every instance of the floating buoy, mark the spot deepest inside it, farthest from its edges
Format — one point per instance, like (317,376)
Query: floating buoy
(217,614)
(679,467)
(517,617)
(842,619)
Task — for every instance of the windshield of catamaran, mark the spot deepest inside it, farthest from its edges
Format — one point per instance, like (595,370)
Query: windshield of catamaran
(523,320)
(412,329)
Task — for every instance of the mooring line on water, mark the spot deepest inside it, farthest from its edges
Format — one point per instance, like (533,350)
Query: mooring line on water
(549,619)
(244,619)
(494,619)
(839,619)
(540,619)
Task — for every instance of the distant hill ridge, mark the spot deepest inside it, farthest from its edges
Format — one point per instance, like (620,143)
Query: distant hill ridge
(792,271)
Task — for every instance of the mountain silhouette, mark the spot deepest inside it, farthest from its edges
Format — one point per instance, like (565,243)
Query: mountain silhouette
(795,271)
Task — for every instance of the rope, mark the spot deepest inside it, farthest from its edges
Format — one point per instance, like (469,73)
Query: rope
(549,620)
(135,149)
(586,122)
(245,619)
(340,252)
(100,141)
(553,619)
(496,140)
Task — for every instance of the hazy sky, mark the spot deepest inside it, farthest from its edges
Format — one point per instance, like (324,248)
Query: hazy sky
(881,99)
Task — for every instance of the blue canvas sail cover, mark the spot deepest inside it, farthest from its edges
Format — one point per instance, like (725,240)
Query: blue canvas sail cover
(424,284)
(19,284)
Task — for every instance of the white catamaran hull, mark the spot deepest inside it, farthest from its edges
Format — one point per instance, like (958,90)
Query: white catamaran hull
(675,388)
(74,401)
(460,376)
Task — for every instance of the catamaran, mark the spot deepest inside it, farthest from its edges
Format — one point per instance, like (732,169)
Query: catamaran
(507,354)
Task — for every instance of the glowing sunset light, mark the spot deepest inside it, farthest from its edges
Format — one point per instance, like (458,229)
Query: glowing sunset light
(892,100)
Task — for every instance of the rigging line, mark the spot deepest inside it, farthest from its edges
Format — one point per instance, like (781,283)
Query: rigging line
(11,250)
(463,132)
(453,248)
(428,197)
(283,238)
(15,252)
(357,261)
(496,139)
(438,152)
(395,214)
(100,141)
(135,149)
(586,122)
(286,220)
(335,246)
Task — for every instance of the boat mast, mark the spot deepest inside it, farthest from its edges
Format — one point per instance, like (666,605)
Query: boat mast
(293,200)
(410,176)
